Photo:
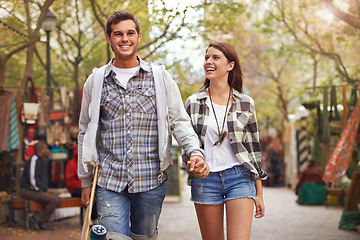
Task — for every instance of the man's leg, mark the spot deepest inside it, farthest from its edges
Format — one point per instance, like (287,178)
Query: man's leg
(114,212)
(49,200)
(145,213)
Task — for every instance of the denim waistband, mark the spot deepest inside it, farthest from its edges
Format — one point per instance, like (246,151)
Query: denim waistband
(233,170)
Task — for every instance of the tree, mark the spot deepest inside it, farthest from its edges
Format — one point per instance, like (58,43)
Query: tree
(27,41)
(15,44)
(286,47)
(349,18)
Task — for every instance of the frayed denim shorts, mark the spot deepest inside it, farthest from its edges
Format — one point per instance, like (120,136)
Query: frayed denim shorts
(218,187)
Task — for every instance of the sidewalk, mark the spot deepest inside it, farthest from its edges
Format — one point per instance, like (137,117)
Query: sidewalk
(284,220)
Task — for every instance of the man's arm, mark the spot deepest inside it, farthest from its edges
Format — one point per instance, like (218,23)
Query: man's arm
(84,120)
(183,131)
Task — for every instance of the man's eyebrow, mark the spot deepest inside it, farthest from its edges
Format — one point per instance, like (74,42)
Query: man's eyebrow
(130,30)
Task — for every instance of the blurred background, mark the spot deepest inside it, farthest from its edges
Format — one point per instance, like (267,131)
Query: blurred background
(301,63)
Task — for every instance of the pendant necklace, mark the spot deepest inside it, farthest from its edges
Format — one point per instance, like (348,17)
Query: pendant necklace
(223,133)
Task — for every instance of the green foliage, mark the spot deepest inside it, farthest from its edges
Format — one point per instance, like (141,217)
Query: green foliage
(279,44)
(188,89)
(12,28)
(221,17)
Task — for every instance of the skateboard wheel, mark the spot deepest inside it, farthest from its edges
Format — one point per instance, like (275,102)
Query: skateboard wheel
(98,232)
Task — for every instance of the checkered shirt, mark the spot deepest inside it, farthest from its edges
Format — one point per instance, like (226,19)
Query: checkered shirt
(242,127)
(128,142)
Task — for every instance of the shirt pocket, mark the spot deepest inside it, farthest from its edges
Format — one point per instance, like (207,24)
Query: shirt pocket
(113,106)
(242,118)
(145,100)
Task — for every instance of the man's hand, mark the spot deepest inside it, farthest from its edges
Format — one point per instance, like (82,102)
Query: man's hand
(197,166)
(85,195)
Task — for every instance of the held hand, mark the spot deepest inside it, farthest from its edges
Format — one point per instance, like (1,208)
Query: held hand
(259,207)
(85,196)
(197,166)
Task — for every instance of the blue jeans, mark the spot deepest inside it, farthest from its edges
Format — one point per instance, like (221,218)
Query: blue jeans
(127,214)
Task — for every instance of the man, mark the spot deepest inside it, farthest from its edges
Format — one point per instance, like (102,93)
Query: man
(310,187)
(34,186)
(126,121)
(312,173)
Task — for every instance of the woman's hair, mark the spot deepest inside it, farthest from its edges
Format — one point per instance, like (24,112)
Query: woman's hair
(235,79)
(119,16)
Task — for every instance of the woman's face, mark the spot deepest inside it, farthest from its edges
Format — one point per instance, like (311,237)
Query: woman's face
(216,65)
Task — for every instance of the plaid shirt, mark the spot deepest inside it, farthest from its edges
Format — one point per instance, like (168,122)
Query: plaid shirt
(242,127)
(128,143)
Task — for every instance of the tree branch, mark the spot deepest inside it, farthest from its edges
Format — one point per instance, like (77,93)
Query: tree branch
(349,18)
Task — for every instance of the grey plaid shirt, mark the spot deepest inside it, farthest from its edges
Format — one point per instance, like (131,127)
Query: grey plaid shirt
(128,143)
(242,127)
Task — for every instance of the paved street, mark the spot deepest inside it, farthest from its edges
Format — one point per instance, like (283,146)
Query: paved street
(284,220)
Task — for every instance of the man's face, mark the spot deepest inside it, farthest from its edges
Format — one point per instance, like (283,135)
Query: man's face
(124,39)
(44,152)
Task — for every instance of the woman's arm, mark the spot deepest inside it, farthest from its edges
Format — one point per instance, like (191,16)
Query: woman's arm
(259,202)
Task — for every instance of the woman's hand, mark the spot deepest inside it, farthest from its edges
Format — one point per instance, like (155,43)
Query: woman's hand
(259,207)
(197,167)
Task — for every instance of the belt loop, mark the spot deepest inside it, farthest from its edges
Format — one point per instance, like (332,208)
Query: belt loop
(160,176)
(237,169)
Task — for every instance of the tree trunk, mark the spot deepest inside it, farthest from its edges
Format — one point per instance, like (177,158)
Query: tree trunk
(3,60)
(77,96)
(20,93)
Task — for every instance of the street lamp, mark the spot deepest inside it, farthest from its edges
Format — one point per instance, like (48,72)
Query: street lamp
(49,24)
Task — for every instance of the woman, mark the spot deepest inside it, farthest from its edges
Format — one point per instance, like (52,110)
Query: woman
(225,121)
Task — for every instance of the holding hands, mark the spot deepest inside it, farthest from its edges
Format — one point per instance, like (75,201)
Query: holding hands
(198,167)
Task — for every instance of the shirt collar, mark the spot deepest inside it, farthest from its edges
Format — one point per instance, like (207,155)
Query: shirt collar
(202,94)
(143,65)
(237,94)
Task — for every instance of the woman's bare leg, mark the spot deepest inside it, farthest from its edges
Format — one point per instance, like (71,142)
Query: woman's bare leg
(239,214)
(210,218)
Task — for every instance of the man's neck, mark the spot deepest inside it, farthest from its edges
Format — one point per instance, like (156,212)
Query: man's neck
(126,63)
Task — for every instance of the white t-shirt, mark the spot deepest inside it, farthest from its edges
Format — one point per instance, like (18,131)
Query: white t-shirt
(221,156)
(124,74)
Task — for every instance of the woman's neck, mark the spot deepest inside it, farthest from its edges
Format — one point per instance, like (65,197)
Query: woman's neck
(219,93)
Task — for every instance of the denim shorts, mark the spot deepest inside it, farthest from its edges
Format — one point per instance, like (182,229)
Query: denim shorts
(127,214)
(218,187)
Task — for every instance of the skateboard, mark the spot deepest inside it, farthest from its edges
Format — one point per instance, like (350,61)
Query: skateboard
(86,225)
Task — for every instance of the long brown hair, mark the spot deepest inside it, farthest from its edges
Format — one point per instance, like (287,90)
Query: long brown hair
(235,78)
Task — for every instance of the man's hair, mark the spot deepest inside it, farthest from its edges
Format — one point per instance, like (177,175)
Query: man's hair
(119,16)
(38,146)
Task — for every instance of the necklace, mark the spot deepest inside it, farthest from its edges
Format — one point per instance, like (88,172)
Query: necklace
(223,133)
